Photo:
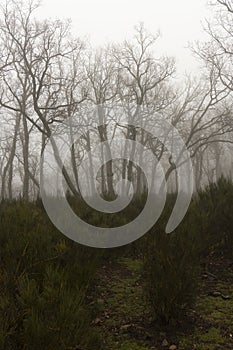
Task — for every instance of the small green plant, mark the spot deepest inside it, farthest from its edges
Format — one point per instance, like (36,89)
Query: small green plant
(132,346)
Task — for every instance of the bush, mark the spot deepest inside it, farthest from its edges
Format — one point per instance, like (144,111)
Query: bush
(44,279)
(171,262)
(171,270)
(215,207)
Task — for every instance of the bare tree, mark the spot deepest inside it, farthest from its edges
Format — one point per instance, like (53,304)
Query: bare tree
(141,74)
(217,53)
(35,75)
(103,81)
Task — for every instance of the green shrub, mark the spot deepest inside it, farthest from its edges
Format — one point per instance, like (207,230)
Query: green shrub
(171,269)
(44,279)
(171,262)
(215,208)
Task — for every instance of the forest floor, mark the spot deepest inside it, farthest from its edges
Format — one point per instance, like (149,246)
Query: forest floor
(125,321)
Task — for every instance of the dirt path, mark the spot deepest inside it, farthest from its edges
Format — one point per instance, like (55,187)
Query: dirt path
(125,320)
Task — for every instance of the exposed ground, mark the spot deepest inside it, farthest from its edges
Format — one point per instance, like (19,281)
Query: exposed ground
(125,320)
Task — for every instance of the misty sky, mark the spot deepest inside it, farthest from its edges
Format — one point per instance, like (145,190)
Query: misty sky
(179,21)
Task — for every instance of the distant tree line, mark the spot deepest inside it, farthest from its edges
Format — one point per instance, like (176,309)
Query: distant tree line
(47,76)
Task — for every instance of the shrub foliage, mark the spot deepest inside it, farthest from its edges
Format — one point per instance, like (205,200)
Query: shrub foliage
(44,280)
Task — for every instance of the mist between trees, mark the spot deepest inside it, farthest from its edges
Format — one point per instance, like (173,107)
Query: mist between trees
(48,78)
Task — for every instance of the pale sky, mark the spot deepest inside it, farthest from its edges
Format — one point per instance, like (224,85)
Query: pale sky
(179,22)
